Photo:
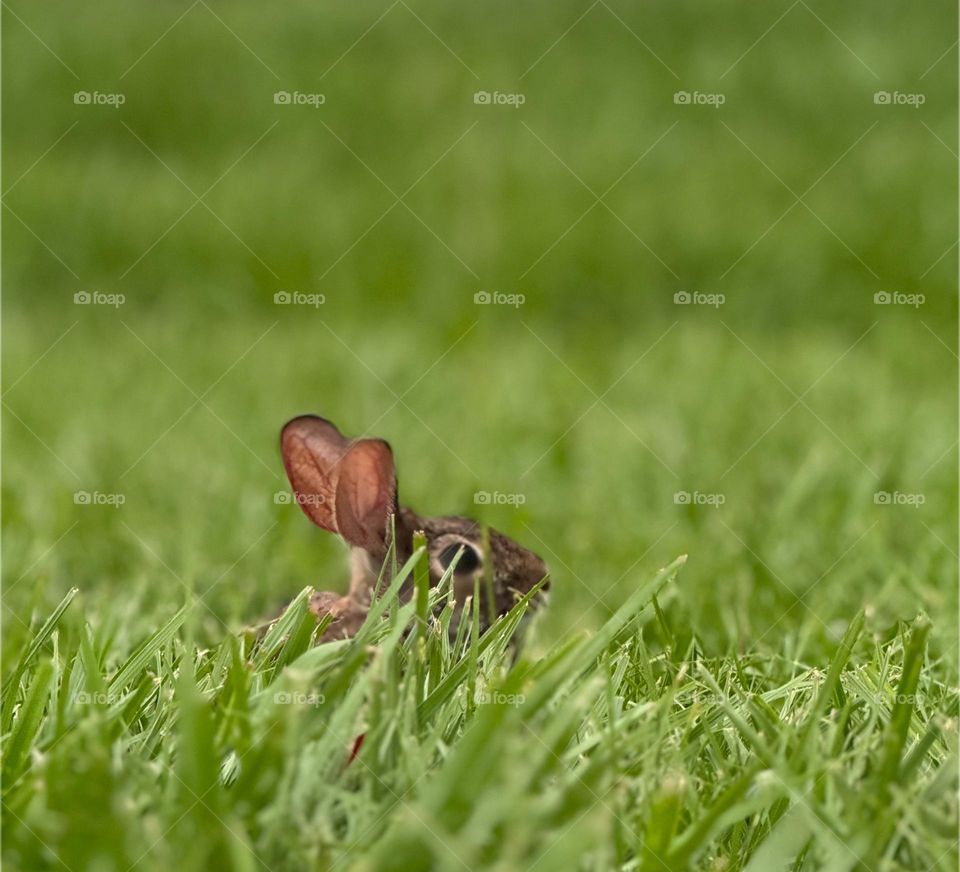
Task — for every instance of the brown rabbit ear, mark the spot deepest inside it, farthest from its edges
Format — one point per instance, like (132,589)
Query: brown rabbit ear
(313,453)
(366,495)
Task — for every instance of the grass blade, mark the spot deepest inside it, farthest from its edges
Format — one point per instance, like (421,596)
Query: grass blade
(27,724)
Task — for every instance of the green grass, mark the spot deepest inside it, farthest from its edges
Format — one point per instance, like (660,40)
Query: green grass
(732,727)
(602,747)
(788,699)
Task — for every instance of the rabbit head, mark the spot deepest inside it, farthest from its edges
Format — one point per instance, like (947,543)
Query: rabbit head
(349,487)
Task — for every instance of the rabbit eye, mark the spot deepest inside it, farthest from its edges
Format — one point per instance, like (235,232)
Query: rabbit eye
(469,560)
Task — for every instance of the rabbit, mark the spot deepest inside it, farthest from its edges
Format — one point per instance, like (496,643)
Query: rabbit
(349,487)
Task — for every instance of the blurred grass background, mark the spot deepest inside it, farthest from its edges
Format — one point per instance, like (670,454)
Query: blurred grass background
(598,399)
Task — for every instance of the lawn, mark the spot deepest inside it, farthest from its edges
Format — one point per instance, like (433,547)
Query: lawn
(682,293)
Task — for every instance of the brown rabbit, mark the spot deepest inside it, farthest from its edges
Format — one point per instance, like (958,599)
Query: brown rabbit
(349,487)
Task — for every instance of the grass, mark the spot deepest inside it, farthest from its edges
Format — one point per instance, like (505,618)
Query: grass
(733,724)
(785,699)
(604,748)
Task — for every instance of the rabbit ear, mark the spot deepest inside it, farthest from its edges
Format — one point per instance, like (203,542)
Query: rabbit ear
(313,451)
(366,495)
(345,487)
